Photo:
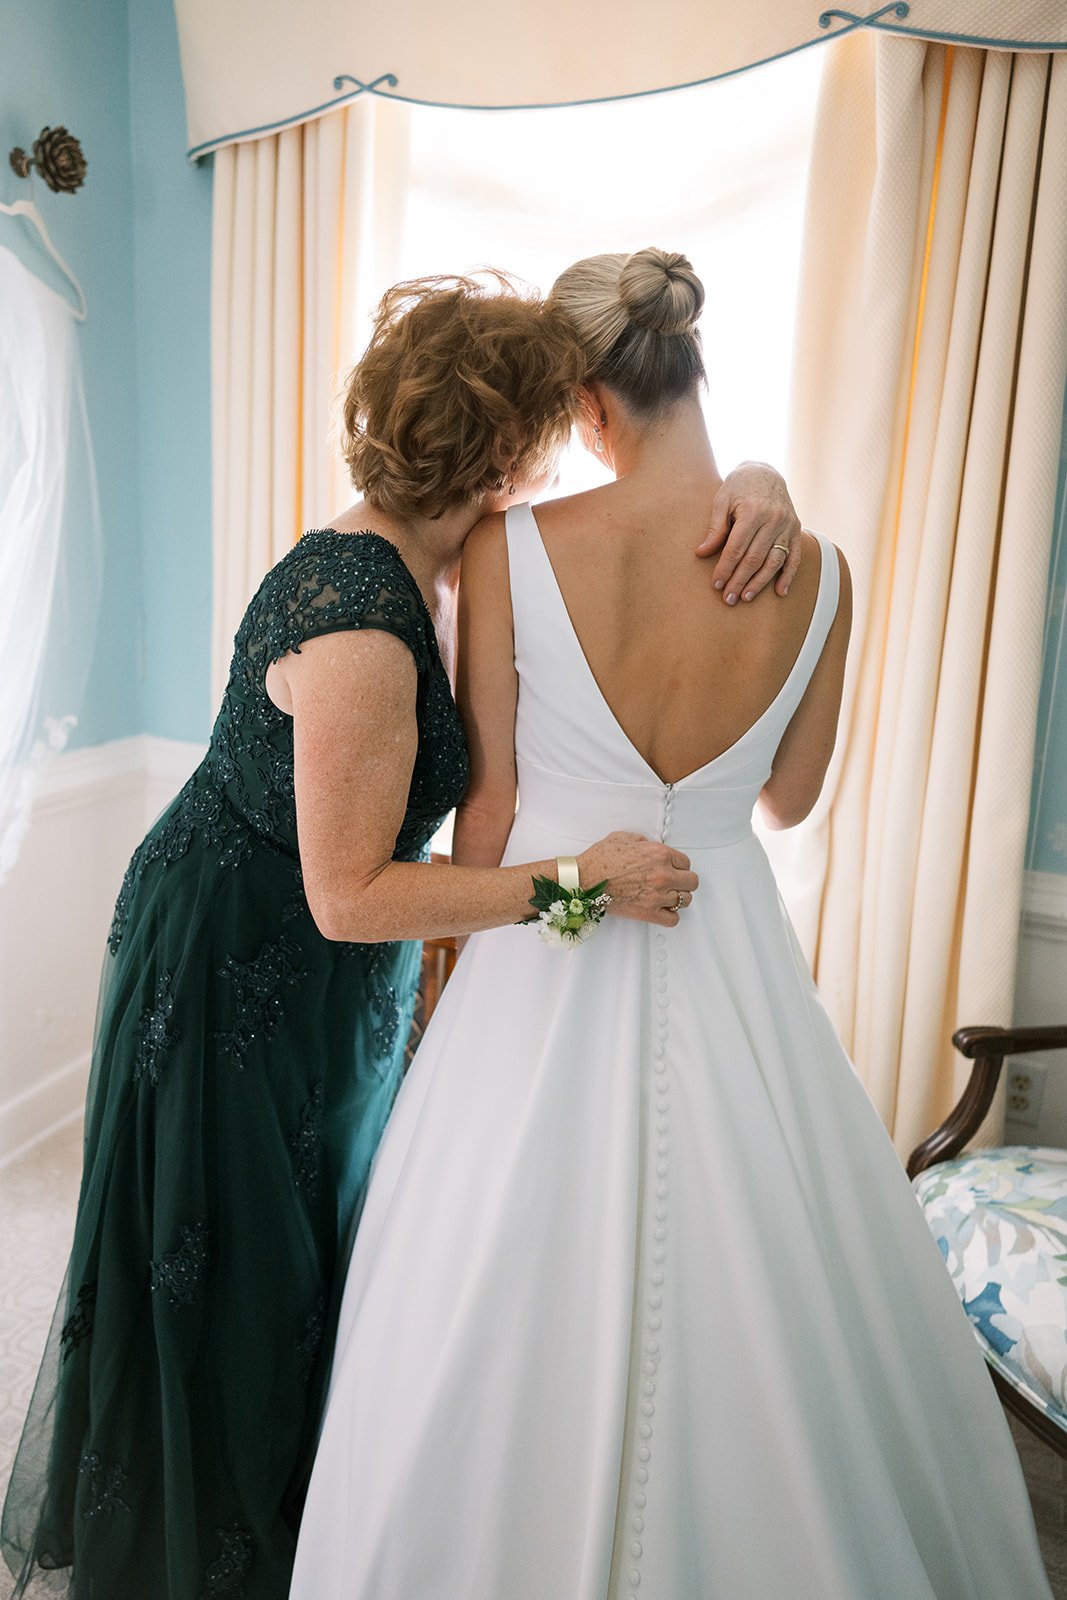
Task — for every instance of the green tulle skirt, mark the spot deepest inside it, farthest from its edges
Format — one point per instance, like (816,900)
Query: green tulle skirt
(243,1071)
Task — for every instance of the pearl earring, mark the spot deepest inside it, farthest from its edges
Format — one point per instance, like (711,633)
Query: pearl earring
(598,445)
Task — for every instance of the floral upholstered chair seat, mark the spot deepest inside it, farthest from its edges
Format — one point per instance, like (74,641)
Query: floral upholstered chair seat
(1000,1220)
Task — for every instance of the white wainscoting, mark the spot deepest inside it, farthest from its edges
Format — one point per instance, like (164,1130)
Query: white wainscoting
(91,809)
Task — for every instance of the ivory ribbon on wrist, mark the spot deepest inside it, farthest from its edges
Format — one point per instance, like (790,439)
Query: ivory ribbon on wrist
(567,869)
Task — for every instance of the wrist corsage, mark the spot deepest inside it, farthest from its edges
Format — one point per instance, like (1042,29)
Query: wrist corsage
(566,914)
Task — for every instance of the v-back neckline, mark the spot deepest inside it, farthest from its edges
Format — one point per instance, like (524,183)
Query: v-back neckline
(583,659)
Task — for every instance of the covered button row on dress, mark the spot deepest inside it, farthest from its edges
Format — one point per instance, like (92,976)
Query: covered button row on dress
(659,1214)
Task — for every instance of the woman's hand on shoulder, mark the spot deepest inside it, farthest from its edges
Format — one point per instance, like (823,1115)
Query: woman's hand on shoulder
(756,531)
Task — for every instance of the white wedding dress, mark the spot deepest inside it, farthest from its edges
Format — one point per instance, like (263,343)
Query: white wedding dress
(641,1306)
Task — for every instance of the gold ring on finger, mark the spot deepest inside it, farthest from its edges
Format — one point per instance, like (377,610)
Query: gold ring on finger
(784,548)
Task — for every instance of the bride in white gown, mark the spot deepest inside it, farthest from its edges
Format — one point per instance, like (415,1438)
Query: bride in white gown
(641,1306)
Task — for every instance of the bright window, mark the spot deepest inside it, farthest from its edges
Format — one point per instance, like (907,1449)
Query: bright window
(718,172)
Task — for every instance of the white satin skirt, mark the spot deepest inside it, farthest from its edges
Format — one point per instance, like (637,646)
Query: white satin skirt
(641,1306)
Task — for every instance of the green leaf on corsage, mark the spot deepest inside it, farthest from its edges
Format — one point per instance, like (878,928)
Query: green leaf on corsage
(566,917)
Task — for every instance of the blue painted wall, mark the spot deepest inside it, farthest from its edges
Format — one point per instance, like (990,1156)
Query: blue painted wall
(139,237)
(172,325)
(65,62)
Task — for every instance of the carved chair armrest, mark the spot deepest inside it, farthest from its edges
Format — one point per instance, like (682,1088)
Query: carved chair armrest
(982,1041)
(987,1047)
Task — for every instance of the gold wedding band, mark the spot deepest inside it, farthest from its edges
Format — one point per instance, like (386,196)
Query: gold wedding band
(784,547)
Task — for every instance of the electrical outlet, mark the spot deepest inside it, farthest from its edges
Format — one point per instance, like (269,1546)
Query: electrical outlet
(1025,1091)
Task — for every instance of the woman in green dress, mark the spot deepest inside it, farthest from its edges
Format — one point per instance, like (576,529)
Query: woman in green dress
(260,981)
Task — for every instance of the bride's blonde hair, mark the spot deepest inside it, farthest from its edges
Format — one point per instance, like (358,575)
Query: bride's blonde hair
(636,319)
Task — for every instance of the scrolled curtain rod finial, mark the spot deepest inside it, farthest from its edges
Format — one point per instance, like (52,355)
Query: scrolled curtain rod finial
(57,156)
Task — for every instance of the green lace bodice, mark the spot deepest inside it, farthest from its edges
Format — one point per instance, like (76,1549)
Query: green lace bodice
(242,795)
(243,1070)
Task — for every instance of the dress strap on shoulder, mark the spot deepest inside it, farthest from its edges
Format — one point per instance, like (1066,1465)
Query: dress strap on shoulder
(524,546)
(819,625)
(826,601)
(535,603)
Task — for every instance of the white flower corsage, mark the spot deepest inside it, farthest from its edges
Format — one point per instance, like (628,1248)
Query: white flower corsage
(566,917)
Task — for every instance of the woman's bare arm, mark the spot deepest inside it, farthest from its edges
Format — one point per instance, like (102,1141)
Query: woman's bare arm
(352,699)
(803,756)
(487,691)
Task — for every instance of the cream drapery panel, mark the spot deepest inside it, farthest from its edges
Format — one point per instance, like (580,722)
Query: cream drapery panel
(253,66)
(306,235)
(928,394)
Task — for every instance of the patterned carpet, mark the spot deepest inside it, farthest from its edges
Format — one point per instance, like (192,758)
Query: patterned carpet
(38,1194)
(37,1198)
(1046,1478)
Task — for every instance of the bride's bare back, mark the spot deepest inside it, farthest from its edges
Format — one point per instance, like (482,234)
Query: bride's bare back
(684,675)
(656,634)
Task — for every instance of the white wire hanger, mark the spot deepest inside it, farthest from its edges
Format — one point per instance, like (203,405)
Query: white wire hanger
(27,209)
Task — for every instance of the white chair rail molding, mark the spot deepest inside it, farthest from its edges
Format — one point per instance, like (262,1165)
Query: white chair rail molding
(90,809)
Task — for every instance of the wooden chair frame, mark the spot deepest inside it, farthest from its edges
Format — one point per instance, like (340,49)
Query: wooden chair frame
(438,959)
(987,1047)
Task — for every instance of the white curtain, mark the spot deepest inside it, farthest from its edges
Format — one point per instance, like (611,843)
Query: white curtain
(50,549)
(929,382)
(306,235)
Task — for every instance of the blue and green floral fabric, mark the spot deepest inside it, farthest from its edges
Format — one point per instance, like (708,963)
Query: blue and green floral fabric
(1000,1220)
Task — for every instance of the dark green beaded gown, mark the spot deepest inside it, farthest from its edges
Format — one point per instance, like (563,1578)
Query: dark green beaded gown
(243,1070)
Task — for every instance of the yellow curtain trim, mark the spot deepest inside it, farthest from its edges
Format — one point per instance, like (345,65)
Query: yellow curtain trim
(946,83)
(950,56)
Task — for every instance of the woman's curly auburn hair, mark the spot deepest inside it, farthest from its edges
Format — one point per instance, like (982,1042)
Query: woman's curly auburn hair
(463,386)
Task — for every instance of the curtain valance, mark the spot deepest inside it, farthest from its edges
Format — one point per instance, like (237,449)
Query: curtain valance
(254,66)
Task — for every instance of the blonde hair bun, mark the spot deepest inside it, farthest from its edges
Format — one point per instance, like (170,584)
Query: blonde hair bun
(635,317)
(659,290)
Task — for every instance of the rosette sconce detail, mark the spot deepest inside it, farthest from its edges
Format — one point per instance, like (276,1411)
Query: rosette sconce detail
(57,157)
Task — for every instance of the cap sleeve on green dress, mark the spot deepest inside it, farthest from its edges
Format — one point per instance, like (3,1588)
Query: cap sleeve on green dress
(338,582)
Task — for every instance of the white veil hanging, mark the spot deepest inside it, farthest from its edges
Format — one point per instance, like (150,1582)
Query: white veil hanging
(50,541)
